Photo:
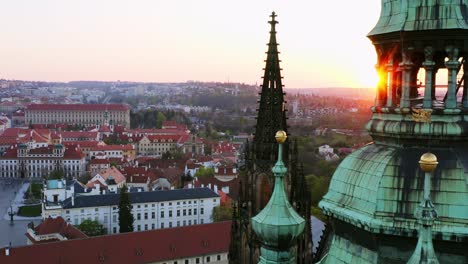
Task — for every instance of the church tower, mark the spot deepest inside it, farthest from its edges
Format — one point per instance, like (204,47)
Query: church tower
(374,199)
(256,177)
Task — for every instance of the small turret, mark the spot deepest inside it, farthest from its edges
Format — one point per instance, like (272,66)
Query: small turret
(278,225)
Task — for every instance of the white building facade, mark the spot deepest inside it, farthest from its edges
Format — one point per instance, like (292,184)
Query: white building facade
(151,210)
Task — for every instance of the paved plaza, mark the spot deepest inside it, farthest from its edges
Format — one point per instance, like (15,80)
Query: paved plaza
(11,233)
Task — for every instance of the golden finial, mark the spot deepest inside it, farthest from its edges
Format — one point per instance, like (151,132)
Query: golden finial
(281,136)
(428,162)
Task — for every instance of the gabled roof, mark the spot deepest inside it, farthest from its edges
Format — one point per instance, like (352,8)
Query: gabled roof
(136,247)
(60,226)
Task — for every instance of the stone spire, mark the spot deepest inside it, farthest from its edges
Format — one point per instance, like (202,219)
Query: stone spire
(278,225)
(272,109)
(426,215)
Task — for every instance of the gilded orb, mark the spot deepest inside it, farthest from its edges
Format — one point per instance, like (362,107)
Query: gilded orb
(281,136)
(428,162)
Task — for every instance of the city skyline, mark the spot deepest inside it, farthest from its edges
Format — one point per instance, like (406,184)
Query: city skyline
(320,45)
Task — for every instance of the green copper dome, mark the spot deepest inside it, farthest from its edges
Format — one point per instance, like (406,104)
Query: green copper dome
(278,225)
(413,15)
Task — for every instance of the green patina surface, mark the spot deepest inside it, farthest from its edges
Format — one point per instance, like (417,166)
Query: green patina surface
(413,15)
(278,225)
(378,188)
(345,251)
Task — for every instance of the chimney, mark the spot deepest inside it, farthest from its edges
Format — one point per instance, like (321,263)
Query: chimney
(7,250)
(73,200)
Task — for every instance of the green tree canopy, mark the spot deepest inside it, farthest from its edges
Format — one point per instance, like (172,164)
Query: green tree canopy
(125,212)
(92,228)
(222,213)
(204,172)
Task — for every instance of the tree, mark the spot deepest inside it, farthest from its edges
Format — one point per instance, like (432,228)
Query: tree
(56,174)
(92,228)
(204,172)
(125,212)
(222,213)
(160,118)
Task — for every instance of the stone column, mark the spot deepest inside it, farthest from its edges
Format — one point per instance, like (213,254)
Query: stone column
(452,67)
(465,84)
(390,84)
(406,65)
(428,65)
(380,67)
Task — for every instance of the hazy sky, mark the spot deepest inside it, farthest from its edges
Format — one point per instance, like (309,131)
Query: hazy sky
(322,43)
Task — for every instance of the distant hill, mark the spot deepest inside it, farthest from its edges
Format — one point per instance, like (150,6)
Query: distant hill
(362,93)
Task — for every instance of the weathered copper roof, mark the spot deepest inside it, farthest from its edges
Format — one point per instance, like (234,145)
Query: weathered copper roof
(415,15)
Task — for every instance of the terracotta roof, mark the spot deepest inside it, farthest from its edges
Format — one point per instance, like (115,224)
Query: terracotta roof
(82,144)
(60,226)
(99,161)
(78,107)
(135,247)
(79,134)
(73,153)
(126,147)
(115,173)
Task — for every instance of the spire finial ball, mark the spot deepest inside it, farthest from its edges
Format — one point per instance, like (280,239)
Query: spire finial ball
(281,136)
(428,162)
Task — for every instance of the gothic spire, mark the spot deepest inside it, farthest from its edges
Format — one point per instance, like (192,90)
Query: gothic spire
(272,110)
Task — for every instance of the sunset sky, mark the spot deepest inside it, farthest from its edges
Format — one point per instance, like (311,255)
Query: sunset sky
(322,43)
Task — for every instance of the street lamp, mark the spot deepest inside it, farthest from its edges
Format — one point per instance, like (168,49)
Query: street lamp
(11,214)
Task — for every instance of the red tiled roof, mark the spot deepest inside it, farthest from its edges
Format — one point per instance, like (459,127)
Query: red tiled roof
(79,134)
(73,153)
(99,161)
(126,147)
(58,225)
(135,247)
(78,107)
(82,144)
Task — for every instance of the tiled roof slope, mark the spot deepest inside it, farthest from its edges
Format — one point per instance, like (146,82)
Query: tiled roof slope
(137,247)
(140,197)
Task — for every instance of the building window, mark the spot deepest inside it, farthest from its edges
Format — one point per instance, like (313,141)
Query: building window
(146,215)
(178,212)
(138,216)
(162,214)
(152,226)
(202,210)
(162,225)
(197,260)
(189,211)
(184,223)
(218,257)
(114,230)
(170,224)
(153,215)
(178,223)
(138,228)
(146,226)
(170,213)
(208,259)
(195,211)
(186,261)
(184,212)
